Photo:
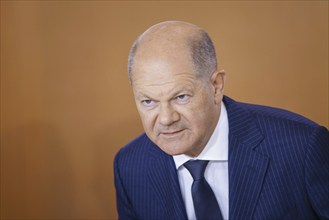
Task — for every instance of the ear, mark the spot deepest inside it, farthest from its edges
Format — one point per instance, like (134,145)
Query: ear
(217,82)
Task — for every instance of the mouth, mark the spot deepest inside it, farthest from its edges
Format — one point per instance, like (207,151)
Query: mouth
(171,133)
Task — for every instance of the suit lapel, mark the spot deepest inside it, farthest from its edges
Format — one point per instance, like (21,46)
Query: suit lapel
(247,168)
(163,177)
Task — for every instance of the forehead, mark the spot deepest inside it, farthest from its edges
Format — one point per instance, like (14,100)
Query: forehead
(165,88)
(162,78)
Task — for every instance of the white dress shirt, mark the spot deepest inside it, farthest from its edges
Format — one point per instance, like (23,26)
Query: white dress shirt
(216,173)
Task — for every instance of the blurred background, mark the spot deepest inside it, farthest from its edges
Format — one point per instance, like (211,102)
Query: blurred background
(67,106)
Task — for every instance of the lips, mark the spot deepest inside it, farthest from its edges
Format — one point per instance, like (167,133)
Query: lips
(171,133)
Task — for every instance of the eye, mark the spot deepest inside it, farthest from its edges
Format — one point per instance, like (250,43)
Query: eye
(182,98)
(148,102)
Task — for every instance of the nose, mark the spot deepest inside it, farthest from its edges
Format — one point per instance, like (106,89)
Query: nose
(168,115)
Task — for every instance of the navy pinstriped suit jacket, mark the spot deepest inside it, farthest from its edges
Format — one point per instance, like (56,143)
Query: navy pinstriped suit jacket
(278,169)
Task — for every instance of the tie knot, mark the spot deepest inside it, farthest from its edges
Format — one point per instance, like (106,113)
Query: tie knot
(196,168)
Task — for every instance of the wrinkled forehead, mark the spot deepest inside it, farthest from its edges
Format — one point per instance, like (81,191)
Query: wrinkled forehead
(165,88)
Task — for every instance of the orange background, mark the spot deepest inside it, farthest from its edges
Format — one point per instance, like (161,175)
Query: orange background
(67,107)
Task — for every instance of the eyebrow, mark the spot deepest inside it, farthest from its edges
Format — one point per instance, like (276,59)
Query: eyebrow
(142,96)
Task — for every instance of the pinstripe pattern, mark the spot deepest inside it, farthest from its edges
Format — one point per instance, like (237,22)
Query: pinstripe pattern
(147,183)
(278,169)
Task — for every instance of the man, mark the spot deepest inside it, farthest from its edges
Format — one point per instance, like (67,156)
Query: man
(252,162)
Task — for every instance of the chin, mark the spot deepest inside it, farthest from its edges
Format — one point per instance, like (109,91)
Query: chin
(173,150)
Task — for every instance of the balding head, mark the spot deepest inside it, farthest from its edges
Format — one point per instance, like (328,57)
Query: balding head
(165,39)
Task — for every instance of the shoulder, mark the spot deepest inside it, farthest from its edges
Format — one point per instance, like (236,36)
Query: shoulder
(135,149)
(285,125)
(267,112)
(268,115)
(277,125)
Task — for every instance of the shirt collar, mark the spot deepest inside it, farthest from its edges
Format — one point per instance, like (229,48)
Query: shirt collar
(217,146)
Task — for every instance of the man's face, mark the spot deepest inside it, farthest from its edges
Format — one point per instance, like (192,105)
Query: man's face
(178,110)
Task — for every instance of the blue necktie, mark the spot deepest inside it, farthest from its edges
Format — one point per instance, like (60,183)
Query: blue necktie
(204,200)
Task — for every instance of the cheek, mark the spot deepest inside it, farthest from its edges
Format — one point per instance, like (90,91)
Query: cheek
(201,107)
(198,121)
(201,113)
(192,118)
(147,120)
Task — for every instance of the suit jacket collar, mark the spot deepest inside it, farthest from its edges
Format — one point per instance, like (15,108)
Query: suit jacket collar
(247,168)
(162,174)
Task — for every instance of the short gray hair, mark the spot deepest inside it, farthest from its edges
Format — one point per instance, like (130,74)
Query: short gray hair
(203,55)
(202,51)
(131,56)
